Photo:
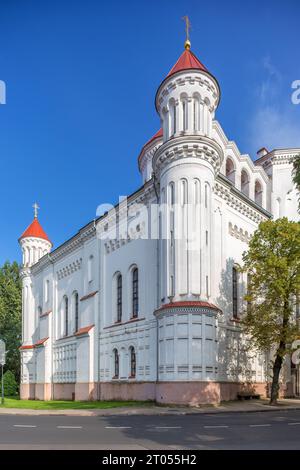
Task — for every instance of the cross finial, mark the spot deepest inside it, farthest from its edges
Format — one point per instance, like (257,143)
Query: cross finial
(187,44)
(35,208)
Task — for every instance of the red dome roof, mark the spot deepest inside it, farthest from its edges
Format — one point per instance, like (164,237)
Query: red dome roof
(158,134)
(186,61)
(35,230)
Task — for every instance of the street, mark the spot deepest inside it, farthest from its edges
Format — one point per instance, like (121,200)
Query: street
(259,430)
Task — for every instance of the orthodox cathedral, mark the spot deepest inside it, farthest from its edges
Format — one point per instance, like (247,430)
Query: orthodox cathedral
(144,302)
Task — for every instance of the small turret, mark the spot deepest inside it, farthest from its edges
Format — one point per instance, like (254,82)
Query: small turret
(34,241)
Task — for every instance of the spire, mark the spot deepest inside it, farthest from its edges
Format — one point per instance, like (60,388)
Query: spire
(187,44)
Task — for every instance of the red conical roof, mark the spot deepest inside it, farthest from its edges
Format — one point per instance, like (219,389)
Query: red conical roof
(186,61)
(35,230)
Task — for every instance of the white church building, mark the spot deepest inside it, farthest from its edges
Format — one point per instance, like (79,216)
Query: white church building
(144,302)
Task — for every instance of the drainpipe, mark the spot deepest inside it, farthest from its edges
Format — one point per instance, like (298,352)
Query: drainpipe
(99,311)
(52,325)
(157,278)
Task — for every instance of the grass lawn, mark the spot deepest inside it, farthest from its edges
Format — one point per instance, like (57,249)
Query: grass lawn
(15,402)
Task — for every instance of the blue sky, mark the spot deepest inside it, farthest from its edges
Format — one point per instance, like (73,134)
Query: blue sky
(81,78)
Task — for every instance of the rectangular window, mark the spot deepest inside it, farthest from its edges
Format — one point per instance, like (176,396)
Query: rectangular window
(234,292)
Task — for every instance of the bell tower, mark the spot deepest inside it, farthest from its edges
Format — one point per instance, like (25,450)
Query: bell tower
(185,166)
(34,243)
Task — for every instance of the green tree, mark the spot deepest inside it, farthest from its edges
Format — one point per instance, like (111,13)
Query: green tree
(273,262)
(10,384)
(10,314)
(296,175)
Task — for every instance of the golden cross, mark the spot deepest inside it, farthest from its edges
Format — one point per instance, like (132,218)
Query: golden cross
(187,27)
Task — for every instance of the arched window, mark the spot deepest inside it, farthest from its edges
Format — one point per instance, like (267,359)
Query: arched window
(66,305)
(34,254)
(230,170)
(165,124)
(258,193)
(132,362)
(249,303)
(135,293)
(90,268)
(76,310)
(183,191)
(119,298)
(234,292)
(116,363)
(47,291)
(172,193)
(172,113)
(184,115)
(245,182)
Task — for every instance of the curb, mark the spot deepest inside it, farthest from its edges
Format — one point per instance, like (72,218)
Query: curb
(139,412)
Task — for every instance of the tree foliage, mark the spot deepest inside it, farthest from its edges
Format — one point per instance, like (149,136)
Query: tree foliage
(10,384)
(296,175)
(11,314)
(273,262)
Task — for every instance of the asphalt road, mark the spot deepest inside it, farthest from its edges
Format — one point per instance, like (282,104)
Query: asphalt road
(259,430)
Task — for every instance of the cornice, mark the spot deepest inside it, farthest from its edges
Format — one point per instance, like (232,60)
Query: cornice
(146,192)
(239,201)
(148,152)
(69,246)
(200,147)
(277,157)
(191,77)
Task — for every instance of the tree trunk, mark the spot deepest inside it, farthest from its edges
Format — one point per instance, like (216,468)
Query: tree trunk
(275,381)
(279,355)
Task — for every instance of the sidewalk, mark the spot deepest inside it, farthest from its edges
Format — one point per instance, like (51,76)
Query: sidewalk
(225,407)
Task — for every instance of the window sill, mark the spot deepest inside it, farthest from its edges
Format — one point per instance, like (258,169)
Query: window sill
(236,319)
(132,320)
(134,317)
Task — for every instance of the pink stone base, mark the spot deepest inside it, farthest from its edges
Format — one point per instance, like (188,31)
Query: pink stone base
(180,393)
(43,392)
(203,393)
(127,391)
(63,391)
(188,393)
(27,391)
(86,391)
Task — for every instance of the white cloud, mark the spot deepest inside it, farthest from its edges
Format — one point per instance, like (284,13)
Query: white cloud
(275,122)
